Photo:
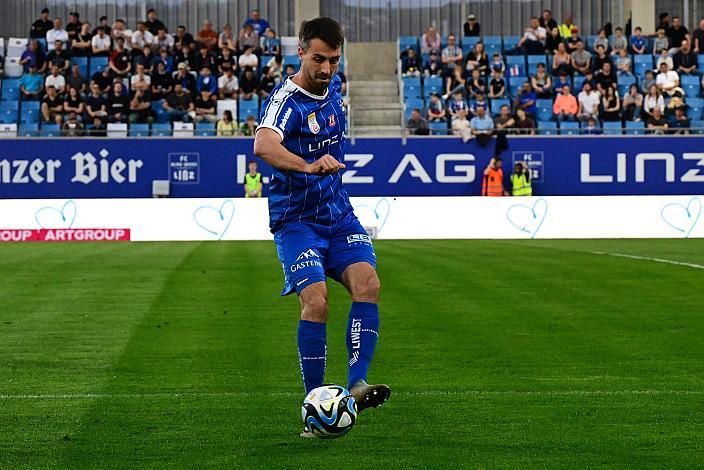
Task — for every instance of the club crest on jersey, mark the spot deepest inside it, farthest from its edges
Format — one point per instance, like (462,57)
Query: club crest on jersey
(331,120)
(313,123)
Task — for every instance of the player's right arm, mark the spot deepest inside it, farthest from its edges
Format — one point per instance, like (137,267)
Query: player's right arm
(267,146)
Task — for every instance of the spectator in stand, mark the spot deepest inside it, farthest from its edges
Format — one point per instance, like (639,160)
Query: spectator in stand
(698,39)
(591,127)
(73,126)
(638,42)
(119,30)
(57,33)
(452,55)
(248,59)
(99,128)
(460,125)
(685,60)
(163,41)
(205,105)
(52,106)
(477,59)
(605,79)
(533,39)
(526,99)
(433,67)
(553,40)
(267,83)
(416,124)
(118,104)
(497,86)
(589,77)
(664,22)
(661,42)
(547,21)
(410,64)
(100,43)
(248,127)
(205,59)
(482,127)
(183,37)
(479,102)
(632,104)
(493,181)
(610,105)
(436,110)
(147,59)
(102,23)
(225,60)
(120,63)
(81,43)
(33,56)
(573,39)
(680,123)
(140,81)
(504,122)
(601,59)
(657,124)
(207,35)
(185,53)
(497,64)
(601,40)
(164,58)
(524,123)
(562,81)
(456,82)
(259,25)
(619,42)
(248,84)
(458,103)
(226,126)
(178,104)
(653,100)
(270,45)
(668,81)
(647,82)
(153,23)
(141,108)
(227,39)
(228,85)
(561,61)
(31,85)
(162,83)
(276,65)
(430,41)
(541,82)
(290,70)
(471,27)
(581,59)
(59,57)
(55,80)
(41,26)
(565,107)
(96,105)
(677,35)
(477,84)
(103,80)
(76,80)
(624,64)
(665,57)
(141,39)
(73,27)
(185,79)
(248,39)
(588,103)
(206,81)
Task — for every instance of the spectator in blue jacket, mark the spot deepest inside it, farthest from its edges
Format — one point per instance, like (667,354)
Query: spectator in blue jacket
(206,81)
(259,24)
(526,99)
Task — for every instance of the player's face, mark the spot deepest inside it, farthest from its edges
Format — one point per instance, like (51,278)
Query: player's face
(319,63)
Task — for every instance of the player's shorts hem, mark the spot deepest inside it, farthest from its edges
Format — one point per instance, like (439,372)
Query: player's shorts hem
(300,285)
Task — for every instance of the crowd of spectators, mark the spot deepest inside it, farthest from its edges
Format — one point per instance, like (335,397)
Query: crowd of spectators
(151,74)
(553,75)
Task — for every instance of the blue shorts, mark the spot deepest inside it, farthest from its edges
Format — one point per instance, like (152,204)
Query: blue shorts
(310,252)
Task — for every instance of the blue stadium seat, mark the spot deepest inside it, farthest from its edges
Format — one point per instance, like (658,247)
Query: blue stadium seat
(496,104)
(624,82)
(547,128)
(50,130)
(8,115)
(642,63)
(697,127)
(438,128)
(414,103)
(468,43)
(690,85)
(205,129)
(28,130)
(29,114)
(492,44)
(162,115)
(612,128)
(510,42)
(10,89)
(161,130)
(97,64)
(534,60)
(293,60)
(700,61)
(157,105)
(248,107)
(569,128)
(514,85)
(138,130)
(411,87)
(515,64)
(405,42)
(635,128)
(433,85)
(695,106)
(590,42)
(443,42)
(544,109)
(82,64)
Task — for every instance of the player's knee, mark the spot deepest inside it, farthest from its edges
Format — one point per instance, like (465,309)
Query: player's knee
(367,289)
(314,303)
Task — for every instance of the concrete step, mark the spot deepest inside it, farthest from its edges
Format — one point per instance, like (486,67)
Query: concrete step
(374,76)
(373,84)
(373,93)
(377,131)
(363,117)
(374,101)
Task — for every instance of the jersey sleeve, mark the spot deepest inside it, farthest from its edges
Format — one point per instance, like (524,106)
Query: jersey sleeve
(280,114)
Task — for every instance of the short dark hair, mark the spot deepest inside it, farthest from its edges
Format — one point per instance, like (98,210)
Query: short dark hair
(323,28)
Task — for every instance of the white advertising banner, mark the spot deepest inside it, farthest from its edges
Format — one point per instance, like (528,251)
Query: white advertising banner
(386,217)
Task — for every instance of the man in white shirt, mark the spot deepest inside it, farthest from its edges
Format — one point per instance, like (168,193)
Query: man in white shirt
(248,59)
(228,85)
(119,30)
(140,81)
(460,125)
(163,40)
(668,81)
(533,37)
(588,103)
(101,43)
(56,34)
(142,38)
(56,80)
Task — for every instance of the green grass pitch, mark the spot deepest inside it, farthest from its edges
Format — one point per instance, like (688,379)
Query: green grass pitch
(506,354)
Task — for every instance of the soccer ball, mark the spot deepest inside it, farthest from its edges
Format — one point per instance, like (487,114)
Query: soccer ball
(329,411)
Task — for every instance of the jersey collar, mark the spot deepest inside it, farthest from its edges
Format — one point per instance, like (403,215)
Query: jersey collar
(307,93)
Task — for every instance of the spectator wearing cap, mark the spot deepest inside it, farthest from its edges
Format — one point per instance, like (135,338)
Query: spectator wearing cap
(247,38)
(153,23)
(526,99)
(120,63)
(573,39)
(163,41)
(57,33)
(73,27)
(248,84)
(101,42)
(33,56)
(258,24)
(102,23)
(547,21)
(433,66)
(410,64)
(141,39)
(81,45)
(207,35)
(226,39)
(565,107)
(416,124)
(430,41)
(471,27)
(248,59)
(452,55)
(207,81)
(162,82)
(185,79)
(41,26)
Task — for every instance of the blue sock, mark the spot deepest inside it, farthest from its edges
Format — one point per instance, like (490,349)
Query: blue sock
(362,333)
(311,353)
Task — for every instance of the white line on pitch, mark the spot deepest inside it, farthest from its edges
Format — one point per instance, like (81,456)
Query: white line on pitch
(647,258)
(133,396)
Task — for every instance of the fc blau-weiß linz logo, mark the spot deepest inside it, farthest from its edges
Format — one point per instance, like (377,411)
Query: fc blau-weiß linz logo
(307,254)
(313,123)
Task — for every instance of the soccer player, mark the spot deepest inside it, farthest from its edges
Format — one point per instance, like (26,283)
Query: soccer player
(302,136)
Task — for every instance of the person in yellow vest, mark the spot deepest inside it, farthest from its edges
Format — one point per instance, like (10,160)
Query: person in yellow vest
(493,183)
(520,180)
(253,181)
(566,27)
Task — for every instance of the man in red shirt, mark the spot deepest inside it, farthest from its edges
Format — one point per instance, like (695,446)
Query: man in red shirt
(207,35)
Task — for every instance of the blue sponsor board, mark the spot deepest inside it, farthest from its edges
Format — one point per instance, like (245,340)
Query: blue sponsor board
(97,168)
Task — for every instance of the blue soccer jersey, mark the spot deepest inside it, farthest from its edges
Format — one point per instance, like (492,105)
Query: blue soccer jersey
(310,126)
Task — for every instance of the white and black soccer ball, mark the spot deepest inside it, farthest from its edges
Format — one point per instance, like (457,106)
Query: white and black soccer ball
(329,411)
